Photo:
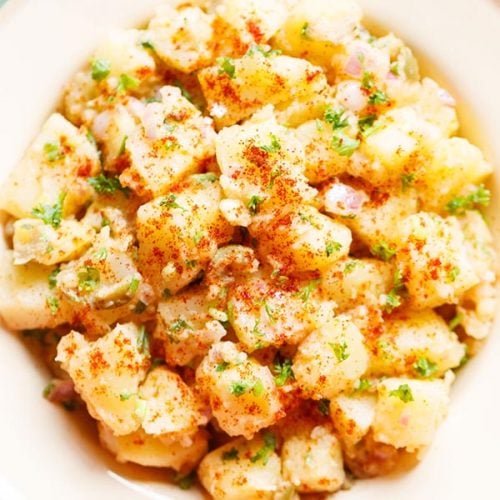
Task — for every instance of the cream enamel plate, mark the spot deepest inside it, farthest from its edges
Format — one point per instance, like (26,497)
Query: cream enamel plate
(370,124)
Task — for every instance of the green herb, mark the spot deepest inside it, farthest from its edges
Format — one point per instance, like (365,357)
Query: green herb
(378,97)
(223,366)
(253,203)
(336,118)
(265,452)
(198,236)
(344,145)
(140,409)
(179,325)
(50,214)
(134,285)
(363,385)
(53,277)
(169,202)
(148,45)
(191,264)
(366,122)
(453,274)
(455,321)
(258,389)
(53,151)
(269,311)
(403,392)
(231,454)
(100,69)
(53,303)
(207,177)
(304,31)
(101,254)
(106,185)
(273,147)
(324,407)
(332,246)
(367,81)
(125,396)
(275,173)
(166,293)
(126,82)
(393,298)
(458,205)
(383,251)
(305,292)
(143,340)
(47,390)
(140,307)
(266,52)
(407,180)
(105,221)
(226,66)
(122,145)
(283,372)
(340,350)
(395,69)
(241,387)
(424,367)
(184,482)
(465,358)
(88,279)
(349,267)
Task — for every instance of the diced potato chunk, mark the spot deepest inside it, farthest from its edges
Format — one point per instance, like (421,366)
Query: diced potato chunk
(301,239)
(408,412)
(107,374)
(434,257)
(330,359)
(173,140)
(26,301)
(237,88)
(312,460)
(155,451)
(262,313)
(186,326)
(36,241)
(455,164)
(375,223)
(182,38)
(242,393)
(171,406)
(262,164)
(316,29)
(353,282)
(58,161)
(417,344)
(242,470)
(255,20)
(353,416)
(178,234)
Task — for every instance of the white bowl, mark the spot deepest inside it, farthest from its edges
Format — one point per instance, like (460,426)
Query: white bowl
(44,452)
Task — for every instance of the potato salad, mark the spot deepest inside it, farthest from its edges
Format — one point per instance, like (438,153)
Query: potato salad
(250,243)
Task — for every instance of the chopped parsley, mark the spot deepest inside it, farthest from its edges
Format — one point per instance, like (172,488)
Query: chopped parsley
(179,325)
(101,254)
(53,277)
(231,454)
(53,303)
(266,52)
(134,285)
(331,247)
(106,185)
(407,181)
(273,147)
(143,340)
(122,145)
(147,44)
(458,205)
(283,372)
(367,81)
(349,267)
(52,151)
(305,292)
(344,145)
(243,386)
(253,203)
(455,321)
(170,202)
(197,237)
(50,214)
(383,251)
(226,66)
(453,274)
(366,122)
(340,350)
(393,298)
(304,31)
(336,118)
(378,97)
(88,279)
(223,366)
(184,482)
(126,82)
(424,367)
(207,177)
(363,385)
(403,392)
(264,453)
(100,69)
(258,388)
(125,396)
(324,407)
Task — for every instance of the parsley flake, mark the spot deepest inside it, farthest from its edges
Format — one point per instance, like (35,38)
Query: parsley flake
(273,147)
(106,185)
(344,145)
(179,325)
(340,350)
(226,66)
(88,279)
(100,69)
(336,118)
(407,181)
(223,366)
(283,372)
(184,482)
(53,303)
(455,321)
(240,387)
(53,277)
(52,151)
(331,247)
(305,292)
(458,205)
(265,452)
(424,367)
(169,202)
(403,392)
(253,203)
(231,454)
(126,82)
(304,31)
(378,97)
(143,340)
(50,214)
(383,251)
(265,51)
